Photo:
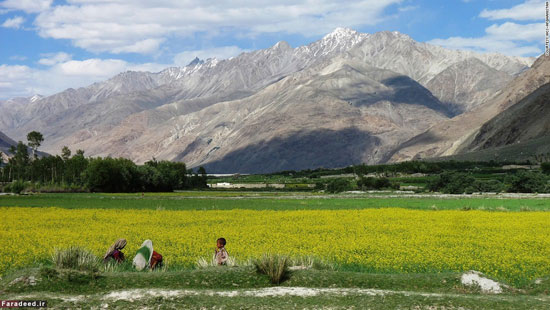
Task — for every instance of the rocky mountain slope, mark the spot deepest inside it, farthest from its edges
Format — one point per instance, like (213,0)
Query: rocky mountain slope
(106,104)
(534,150)
(5,144)
(344,99)
(522,122)
(455,135)
(461,79)
(336,113)
(467,84)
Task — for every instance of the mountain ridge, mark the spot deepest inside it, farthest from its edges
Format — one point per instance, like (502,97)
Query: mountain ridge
(173,112)
(5,143)
(452,136)
(522,122)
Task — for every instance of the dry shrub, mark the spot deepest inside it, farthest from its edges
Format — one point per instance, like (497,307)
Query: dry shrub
(274,266)
(76,258)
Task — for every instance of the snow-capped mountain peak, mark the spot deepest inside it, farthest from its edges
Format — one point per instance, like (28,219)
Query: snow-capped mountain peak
(338,41)
(135,114)
(196,61)
(282,45)
(35,98)
(341,32)
(344,36)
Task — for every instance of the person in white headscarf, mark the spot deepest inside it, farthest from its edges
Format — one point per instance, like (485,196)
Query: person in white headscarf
(147,257)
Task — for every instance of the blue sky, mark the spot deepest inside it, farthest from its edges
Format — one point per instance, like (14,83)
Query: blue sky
(49,45)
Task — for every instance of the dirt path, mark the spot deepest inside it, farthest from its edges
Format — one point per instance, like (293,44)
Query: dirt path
(140,294)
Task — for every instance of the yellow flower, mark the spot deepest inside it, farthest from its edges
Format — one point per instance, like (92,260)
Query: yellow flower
(511,246)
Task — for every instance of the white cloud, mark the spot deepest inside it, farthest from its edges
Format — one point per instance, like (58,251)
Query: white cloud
(184,58)
(62,72)
(148,67)
(517,32)
(488,44)
(146,46)
(18,58)
(14,81)
(408,8)
(529,10)
(28,6)
(52,59)
(510,38)
(144,26)
(141,26)
(23,81)
(15,22)
(102,68)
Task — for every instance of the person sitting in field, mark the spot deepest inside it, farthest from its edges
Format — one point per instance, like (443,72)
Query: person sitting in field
(156,261)
(147,257)
(115,252)
(221,255)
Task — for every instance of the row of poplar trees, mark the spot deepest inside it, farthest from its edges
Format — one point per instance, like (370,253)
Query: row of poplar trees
(94,174)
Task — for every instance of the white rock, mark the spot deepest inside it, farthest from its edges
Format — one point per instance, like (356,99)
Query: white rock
(474,278)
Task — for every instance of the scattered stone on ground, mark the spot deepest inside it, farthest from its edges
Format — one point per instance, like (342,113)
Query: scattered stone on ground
(474,278)
(293,268)
(25,280)
(136,294)
(140,295)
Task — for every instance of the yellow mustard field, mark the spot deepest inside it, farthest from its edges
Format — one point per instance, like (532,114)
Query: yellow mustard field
(508,245)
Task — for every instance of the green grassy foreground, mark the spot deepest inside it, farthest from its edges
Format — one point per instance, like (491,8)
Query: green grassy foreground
(211,200)
(241,287)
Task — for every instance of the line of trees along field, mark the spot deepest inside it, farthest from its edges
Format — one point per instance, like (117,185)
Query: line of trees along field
(450,177)
(75,172)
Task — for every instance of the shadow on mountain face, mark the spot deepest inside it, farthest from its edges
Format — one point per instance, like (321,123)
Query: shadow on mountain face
(401,90)
(409,91)
(425,138)
(524,121)
(5,144)
(314,149)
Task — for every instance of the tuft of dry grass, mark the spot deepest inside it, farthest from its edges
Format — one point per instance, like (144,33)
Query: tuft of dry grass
(276,267)
(75,258)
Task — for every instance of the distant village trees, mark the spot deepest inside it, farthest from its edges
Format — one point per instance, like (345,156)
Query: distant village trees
(78,173)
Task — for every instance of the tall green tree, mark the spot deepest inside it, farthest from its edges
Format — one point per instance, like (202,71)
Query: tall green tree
(10,167)
(1,166)
(1,159)
(74,167)
(527,182)
(35,139)
(172,175)
(112,175)
(20,161)
(204,176)
(65,153)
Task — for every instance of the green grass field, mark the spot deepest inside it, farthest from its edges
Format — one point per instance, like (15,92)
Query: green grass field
(212,200)
(241,287)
